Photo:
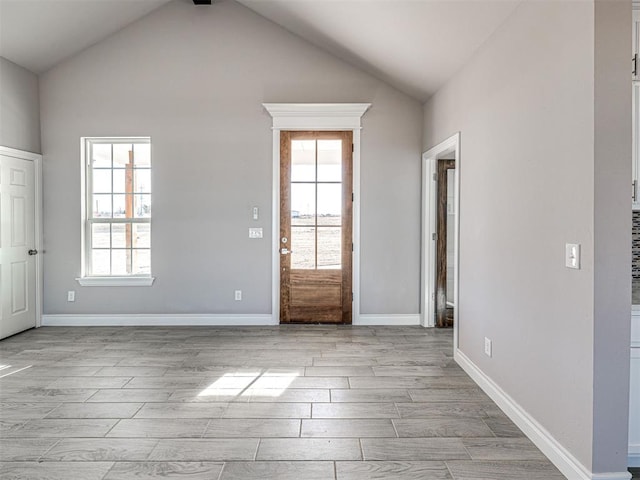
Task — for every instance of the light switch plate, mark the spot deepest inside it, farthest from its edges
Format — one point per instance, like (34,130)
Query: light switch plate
(572,255)
(487,347)
(255,232)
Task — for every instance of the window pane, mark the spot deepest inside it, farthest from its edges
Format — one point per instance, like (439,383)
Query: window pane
(119,234)
(101,206)
(329,160)
(101,181)
(303,160)
(329,251)
(120,262)
(120,187)
(142,206)
(141,262)
(141,235)
(329,204)
(121,154)
(120,206)
(120,179)
(303,248)
(100,260)
(101,155)
(100,235)
(303,204)
(142,154)
(143,181)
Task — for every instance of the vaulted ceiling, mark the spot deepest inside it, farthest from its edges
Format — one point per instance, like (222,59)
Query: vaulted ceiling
(415,45)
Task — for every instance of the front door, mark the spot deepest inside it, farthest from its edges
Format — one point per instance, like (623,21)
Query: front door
(17,243)
(315,227)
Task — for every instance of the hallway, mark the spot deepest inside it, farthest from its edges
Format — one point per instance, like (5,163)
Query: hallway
(293,402)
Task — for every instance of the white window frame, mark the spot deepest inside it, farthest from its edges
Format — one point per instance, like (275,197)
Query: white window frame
(86,279)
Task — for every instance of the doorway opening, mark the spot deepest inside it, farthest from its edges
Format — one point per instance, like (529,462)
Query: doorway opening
(445,255)
(440,235)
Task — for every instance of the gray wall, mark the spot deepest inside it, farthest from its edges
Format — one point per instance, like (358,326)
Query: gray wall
(612,234)
(194,80)
(19,107)
(531,181)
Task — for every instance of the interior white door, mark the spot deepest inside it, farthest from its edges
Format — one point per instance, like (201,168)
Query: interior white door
(17,246)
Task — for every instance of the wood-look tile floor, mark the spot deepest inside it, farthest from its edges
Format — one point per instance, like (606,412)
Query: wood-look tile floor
(292,402)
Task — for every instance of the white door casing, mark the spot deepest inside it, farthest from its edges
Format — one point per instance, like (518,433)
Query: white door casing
(315,117)
(449,148)
(19,234)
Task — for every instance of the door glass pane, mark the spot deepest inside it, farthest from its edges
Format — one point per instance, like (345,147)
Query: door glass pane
(120,262)
(101,205)
(101,155)
(101,181)
(303,204)
(303,248)
(329,247)
(100,235)
(329,204)
(119,235)
(100,260)
(329,160)
(141,235)
(142,155)
(121,154)
(303,160)
(141,262)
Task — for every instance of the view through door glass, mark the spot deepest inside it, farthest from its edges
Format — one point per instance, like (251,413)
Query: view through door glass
(315,227)
(316,204)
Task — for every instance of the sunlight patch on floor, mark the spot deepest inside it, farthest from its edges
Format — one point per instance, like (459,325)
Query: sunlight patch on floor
(258,385)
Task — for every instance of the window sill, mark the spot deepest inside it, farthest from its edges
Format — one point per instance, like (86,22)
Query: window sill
(116,281)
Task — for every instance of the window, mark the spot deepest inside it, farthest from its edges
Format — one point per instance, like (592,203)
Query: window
(117,211)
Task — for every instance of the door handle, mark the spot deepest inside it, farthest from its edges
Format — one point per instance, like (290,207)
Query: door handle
(33,252)
(285,251)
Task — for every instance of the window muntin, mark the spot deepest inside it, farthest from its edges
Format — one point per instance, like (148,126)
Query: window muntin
(118,207)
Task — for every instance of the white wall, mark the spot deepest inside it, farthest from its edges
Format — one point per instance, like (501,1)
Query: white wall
(194,79)
(543,165)
(19,107)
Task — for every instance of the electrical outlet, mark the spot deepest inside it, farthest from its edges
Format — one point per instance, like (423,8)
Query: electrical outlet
(487,347)
(238,295)
(71,296)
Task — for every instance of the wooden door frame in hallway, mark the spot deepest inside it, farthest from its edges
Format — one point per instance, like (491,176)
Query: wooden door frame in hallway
(36,158)
(449,149)
(315,117)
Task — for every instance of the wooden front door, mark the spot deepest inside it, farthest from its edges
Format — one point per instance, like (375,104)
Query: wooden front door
(444,255)
(315,227)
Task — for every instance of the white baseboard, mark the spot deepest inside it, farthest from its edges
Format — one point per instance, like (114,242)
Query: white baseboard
(121,320)
(634,456)
(393,319)
(140,320)
(557,454)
